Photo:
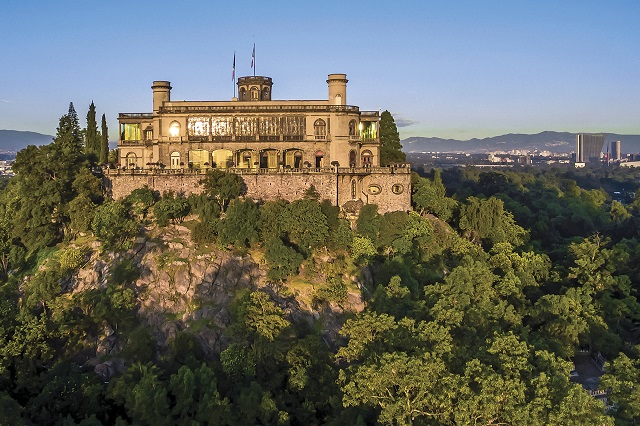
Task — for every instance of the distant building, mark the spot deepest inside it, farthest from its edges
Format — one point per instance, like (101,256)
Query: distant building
(616,153)
(589,147)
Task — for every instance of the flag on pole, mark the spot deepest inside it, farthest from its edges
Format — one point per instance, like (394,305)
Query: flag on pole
(253,56)
(233,70)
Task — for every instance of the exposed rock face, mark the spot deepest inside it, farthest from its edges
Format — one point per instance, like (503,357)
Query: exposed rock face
(181,286)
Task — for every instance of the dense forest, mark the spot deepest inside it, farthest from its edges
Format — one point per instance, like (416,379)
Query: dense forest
(468,310)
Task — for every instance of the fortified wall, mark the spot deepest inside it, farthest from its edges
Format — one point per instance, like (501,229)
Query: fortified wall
(389,188)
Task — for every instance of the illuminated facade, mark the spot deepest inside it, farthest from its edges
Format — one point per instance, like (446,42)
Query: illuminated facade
(250,132)
(254,134)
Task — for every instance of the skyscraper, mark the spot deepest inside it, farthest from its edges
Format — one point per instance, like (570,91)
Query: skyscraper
(616,153)
(589,147)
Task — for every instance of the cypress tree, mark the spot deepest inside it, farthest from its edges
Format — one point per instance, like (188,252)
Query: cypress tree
(390,148)
(104,143)
(92,142)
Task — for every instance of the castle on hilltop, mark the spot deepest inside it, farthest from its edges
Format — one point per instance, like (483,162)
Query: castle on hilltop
(279,147)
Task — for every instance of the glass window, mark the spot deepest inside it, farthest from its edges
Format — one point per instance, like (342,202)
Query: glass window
(198,158)
(131,160)
(174,129)
(320,129)
(222,158)
(175,160)
(130,132)
(352,128)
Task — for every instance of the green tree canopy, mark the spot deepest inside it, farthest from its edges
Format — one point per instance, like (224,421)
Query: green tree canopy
(390,147)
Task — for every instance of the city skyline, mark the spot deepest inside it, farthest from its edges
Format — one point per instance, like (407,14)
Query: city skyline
(457,70)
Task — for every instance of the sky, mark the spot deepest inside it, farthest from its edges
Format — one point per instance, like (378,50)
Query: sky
(452,69)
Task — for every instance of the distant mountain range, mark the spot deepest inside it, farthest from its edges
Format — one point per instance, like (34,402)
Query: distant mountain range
(15,140)
(545,141)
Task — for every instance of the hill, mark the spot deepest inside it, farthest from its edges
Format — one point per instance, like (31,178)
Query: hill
(544,141)
(15,140)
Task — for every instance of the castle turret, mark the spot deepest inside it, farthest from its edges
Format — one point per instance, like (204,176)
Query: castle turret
(256,88)
(161,93)
(337,89)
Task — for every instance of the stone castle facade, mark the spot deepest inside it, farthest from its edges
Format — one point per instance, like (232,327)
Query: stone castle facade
(280,148)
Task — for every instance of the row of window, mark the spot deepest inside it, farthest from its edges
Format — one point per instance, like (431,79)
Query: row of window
(248,126)
(266,159)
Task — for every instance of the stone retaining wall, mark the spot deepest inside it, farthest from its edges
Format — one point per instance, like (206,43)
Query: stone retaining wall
(394,189)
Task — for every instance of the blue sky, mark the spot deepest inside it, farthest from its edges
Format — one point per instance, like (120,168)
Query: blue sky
(458,69)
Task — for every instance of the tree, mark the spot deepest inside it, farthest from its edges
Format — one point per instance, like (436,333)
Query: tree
(622,378)
(171,208)
(104,142)
(404,388)
(488,220)
(113,225)
(390,147)
(309,233)
(44,185)
(283,260)
(264,318)
(91,138)
(240,226)
(222,187)
(430,197)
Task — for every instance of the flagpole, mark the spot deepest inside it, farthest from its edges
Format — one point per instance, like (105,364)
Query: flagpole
(253,59)
(233,74)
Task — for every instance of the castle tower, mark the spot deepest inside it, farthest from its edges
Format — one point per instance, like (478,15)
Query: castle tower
(337,89)
(254,88)
(161,93)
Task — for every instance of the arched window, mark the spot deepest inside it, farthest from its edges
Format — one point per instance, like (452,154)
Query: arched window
(319,158)
(293,159)
(353,189)
(352,128)
(245,159)
(265,94)
(352,158)
(243,94)
(174,129)
(337,100)
(366,158)
(320,129)
(175,160)
(148,133)
(255,94)
(222,158)
(269,159)
(131,161)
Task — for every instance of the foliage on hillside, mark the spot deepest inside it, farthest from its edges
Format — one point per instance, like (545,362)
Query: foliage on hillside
(218,309)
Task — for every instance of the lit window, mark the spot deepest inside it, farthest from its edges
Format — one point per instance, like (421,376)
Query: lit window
(174,129)
(130,132)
